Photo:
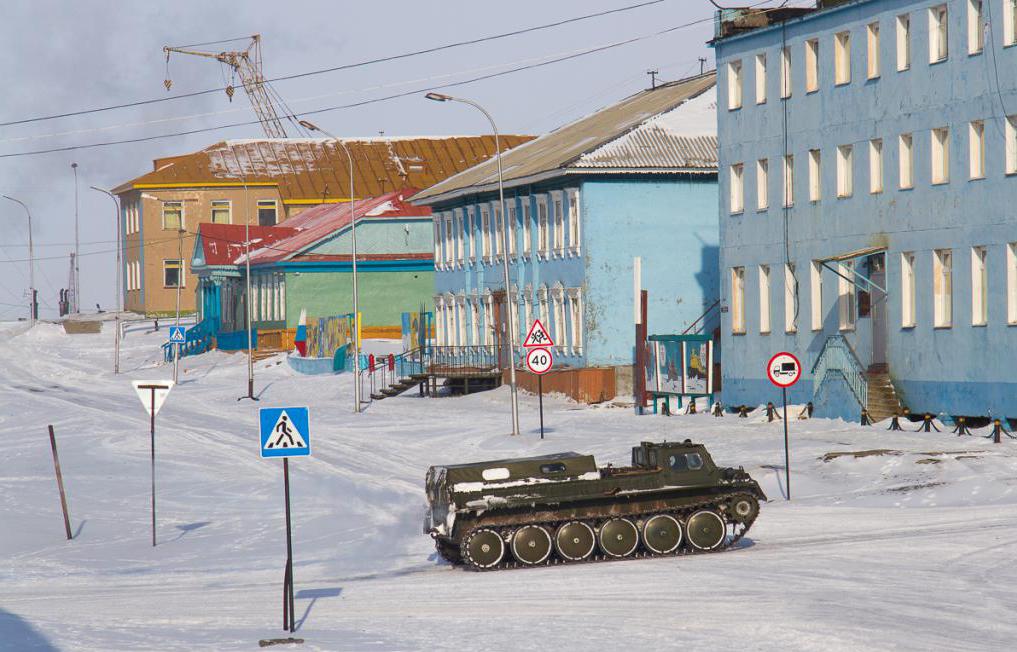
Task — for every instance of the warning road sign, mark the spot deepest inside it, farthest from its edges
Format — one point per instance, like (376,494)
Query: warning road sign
(177,334)
(784,369)
(152,393)
(538,336)
(285,432)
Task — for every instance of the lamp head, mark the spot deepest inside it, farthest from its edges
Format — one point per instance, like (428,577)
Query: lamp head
(309,125)
(438,97)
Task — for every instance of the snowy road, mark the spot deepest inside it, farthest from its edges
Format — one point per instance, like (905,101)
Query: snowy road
(885,551)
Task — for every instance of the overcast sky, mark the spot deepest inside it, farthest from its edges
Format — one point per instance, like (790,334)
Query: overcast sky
(63,56)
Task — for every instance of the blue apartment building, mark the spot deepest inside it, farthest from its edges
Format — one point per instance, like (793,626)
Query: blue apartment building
(868,204)
(637,178)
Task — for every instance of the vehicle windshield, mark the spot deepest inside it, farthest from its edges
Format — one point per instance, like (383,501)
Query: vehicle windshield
(686,462)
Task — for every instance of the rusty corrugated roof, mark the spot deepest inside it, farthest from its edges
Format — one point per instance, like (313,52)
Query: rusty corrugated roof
(311,170)
(652,130)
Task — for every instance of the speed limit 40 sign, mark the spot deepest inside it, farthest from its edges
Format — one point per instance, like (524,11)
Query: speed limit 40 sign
(539,361)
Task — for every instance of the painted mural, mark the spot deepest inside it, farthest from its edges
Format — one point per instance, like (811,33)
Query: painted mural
(326,334)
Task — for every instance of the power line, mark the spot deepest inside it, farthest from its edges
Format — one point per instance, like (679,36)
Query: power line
(349,66)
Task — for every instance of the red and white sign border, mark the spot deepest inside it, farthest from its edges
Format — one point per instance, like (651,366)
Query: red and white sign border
(769,367)
(533,327)
(534,351)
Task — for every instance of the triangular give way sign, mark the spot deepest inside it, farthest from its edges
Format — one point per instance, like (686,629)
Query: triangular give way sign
(538,336)
(152,393)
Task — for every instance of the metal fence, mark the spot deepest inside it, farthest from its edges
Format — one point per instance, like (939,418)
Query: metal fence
(838,358)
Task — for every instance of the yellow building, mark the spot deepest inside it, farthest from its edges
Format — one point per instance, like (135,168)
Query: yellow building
(263,182)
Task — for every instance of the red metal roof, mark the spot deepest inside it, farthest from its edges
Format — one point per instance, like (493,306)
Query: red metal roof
(223,244)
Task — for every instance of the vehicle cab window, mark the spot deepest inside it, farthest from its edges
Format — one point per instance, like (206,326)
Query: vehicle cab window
(695,461)
(685,462)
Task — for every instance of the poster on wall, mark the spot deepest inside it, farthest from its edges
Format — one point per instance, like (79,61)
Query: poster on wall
(697,376)
(669,366)
(652,376)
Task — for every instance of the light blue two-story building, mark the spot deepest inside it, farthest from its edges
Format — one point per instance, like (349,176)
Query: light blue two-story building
(635,179)
(868,204)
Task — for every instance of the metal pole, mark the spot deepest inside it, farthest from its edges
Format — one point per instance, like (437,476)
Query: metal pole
(787,454)
(32,310)
(120,299)
(77,254)
(505,247)
(60,484)
(248,306)
(152,431)
(353,237)
(180,281)
(289,539)
(540,399)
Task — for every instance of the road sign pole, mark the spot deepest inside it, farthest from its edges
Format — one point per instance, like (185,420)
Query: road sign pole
(60,484)
(152,433)
(787,453)
(540,399)
(289,543)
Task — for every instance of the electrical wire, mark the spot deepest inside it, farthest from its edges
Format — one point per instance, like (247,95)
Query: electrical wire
(349,66)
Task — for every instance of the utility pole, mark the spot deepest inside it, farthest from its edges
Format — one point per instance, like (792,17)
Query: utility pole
(180,282)
(247,276)
(653,78)
(702,65)
(119,304)
(33,304)
(77,254)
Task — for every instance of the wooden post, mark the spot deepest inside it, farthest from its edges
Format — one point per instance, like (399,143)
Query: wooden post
(60,484)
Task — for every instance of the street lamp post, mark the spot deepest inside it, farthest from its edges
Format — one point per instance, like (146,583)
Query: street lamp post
(33,308)
(439,97)
(77,254)
(248,309)
(120,299)
(353,236)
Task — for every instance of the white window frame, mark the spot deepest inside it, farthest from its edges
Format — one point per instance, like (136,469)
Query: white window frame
(450,254)
(816,295)
(845,171)
(906,162)
(264,203)
(979,286)
(903,24)
(762,184)
(543,308)
(976,149)
(488,319)
(872,64)
(183,220)
(1009,22)
(736,183)
(763,272)
(575,298)
(790,292)
(558,326)
(785,73)
(181,273)
(459,236)
(513,219)
(940,155)
(788,179)
(760,60)
(575,240)
(907,289)
(439,259)
(485,233)
(939,39)
(471,232)
(1011,283)
(942,288)
(218,204)
(497,224)
(474,337)
(976,33)
(543,228)
(1010,135)
(876,165)
(737,300)
(847,306)
(815,175)
(734,85)
(527,228)
(812,65)
(842,58)
(558,208)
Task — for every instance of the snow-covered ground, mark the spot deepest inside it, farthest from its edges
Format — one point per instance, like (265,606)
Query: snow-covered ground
(913,548)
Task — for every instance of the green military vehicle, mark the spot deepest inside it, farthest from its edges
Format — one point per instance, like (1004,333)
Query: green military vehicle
(561,508)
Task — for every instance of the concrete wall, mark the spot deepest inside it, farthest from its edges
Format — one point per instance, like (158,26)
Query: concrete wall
(961,369)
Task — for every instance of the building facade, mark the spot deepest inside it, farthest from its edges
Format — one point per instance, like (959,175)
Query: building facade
(306,265)
(635,179)
(868,180)
(262,182)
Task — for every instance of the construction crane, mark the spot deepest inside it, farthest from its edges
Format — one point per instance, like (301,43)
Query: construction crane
(247,65)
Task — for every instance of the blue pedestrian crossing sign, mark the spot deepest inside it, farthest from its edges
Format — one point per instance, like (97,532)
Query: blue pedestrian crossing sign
(177,334)
(285,432)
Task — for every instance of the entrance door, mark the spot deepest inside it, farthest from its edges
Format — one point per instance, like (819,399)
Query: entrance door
(878,277)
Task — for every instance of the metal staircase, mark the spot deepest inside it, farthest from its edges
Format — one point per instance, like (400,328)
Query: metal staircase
(872,388)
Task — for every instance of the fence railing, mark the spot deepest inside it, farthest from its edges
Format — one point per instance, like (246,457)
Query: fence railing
(198,340)
(462,361)
(838,358)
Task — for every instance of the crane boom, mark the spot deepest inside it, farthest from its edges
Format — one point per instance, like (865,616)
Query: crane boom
(247,65)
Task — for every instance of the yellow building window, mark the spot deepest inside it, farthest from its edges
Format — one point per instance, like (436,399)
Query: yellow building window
(221,212)
(172,215)
(172,274)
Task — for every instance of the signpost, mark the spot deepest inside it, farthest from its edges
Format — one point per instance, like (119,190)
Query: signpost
(177,336)
(286,433)
(153,394)
(539,360)
(784,370)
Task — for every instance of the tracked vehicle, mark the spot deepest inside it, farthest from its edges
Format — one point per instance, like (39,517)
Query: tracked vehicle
(562,508)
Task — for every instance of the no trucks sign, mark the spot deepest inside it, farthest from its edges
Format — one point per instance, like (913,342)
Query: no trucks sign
(784,370)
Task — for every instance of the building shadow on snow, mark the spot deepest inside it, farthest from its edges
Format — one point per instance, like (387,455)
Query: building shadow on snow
(17,634)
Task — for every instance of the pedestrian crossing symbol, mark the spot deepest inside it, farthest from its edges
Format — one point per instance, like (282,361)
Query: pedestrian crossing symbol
(285,432)
(177,334)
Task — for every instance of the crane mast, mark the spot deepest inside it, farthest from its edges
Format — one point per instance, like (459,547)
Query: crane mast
(247,65)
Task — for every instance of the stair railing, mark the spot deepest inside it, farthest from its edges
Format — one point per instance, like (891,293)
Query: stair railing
(837,358)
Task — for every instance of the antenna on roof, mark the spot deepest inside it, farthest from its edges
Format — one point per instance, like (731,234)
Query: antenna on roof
(653,78)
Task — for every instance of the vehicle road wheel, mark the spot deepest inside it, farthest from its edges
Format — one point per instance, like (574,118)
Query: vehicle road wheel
(618,537)
(706,530)
(483,548)
(744,508)
(574,541)
(662,534)
(531,544)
